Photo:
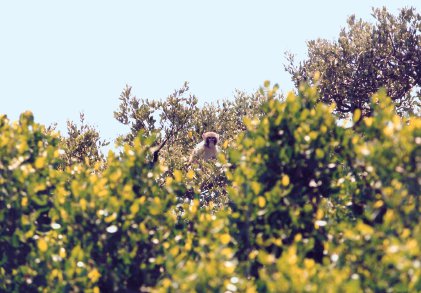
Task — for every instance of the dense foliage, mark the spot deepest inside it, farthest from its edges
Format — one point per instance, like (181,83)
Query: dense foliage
(82,144)
(365,58)
(312,206)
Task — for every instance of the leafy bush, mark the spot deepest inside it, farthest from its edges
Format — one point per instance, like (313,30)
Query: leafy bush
(299,203)
(287,165)
(316,200)
(28,158)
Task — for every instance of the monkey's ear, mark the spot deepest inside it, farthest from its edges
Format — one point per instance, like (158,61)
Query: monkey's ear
(204,136)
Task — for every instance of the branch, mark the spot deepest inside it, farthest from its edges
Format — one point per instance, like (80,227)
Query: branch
(155,153)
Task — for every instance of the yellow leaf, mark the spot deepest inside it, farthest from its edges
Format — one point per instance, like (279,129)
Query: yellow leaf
(225,145)
(97,166)
(62,252)
(255,186)
(225,238)
(128,192)
(194,206)
(266,83)
(93,178)
(292,256)
(309,263)
(388,130)
(229,267)
(261,202)
(405,233)
(154,210)
(83,204)
(332,107)
(142,199)
(61,194)
(397,122)
(39,187)
(412,246)
(188,245)
(75,187)
(25,220)
(24,202)
(116,175)
(319,153)
(251,290)
(313,135)
(368,121)
(54,273)
(320,214)
(42,245)
(29,234)
(174,251)
(247,123)
(365,229)
(168,181)
(285,180)
(178,175)
(190,174)
(253,254)
(134,208)
(166,283)
(102,192)
(96,290)
(142,228)
(57,274)
(357,115)
(277,242)
(64,215)
(111,218)
(227,252)
(94,275)
(389,217)
(40,162)
(378,204)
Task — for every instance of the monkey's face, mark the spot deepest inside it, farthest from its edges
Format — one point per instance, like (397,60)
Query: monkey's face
(211,141)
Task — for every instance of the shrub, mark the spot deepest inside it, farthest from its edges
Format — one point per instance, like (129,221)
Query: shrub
(302,204)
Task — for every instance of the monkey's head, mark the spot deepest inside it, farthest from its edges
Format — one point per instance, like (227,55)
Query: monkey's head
(210,138)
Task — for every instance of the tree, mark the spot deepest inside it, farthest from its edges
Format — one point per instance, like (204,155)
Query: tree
(180,123)
(175,114)
(82,143)
(365,58)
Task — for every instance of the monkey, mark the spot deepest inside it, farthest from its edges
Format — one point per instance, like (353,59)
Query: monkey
(207,149)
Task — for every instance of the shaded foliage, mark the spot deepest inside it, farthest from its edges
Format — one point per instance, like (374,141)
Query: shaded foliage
(365,58)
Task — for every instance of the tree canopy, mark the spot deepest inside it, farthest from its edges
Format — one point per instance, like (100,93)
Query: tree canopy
(365,58)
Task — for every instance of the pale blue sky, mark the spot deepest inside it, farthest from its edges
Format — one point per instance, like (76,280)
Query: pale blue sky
(58,58)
